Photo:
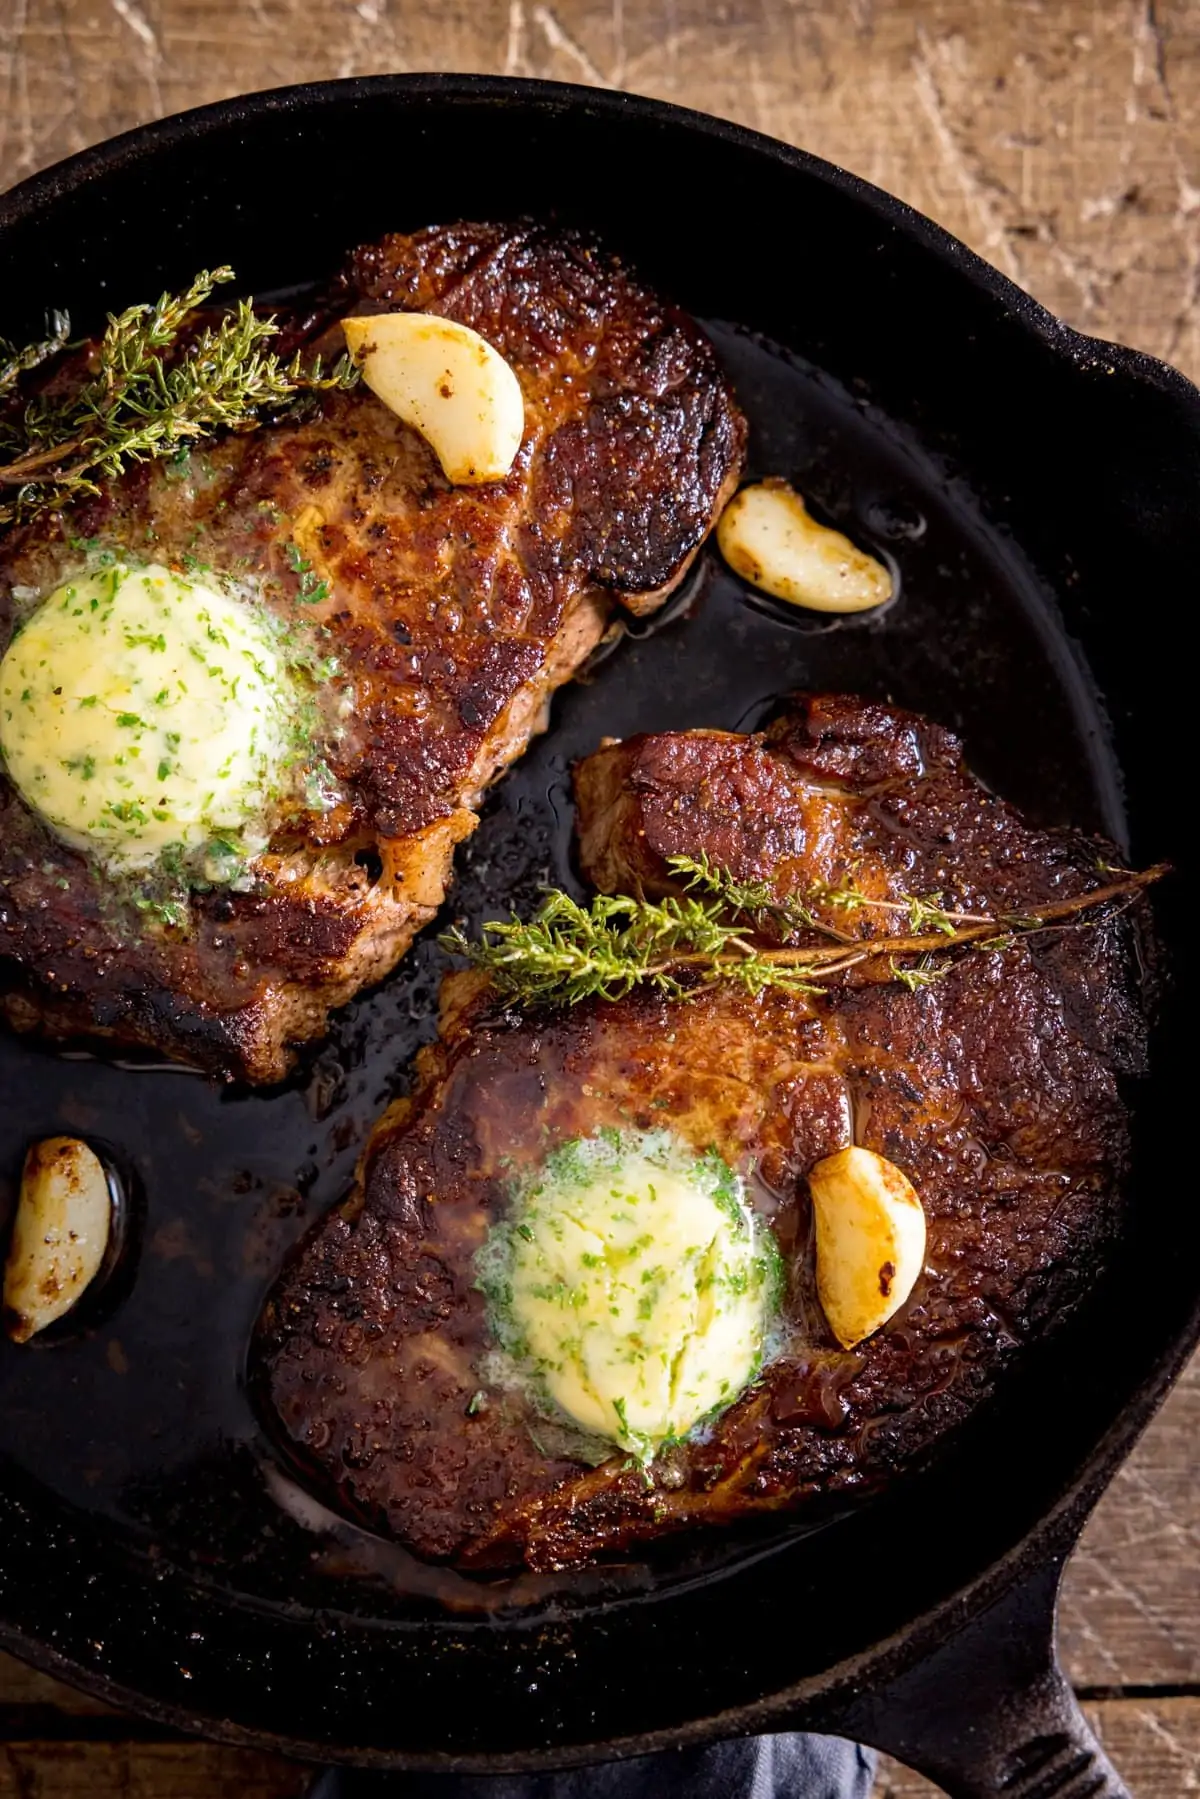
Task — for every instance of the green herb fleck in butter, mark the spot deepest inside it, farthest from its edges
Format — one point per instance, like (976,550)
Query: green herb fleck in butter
(632,1286)
(140,710)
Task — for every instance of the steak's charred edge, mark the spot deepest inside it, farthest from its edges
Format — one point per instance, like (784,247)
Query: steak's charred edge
(256,1040)
(635,455)
(998,1089)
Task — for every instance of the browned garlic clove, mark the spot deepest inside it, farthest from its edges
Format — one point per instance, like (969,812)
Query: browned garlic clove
(768,536)
(870,1241)
(449,384)
(60,1235)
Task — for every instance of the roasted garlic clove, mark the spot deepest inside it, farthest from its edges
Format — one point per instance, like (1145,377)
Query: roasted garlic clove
(870,1241)
(768,536)
(60,1234)
(449,384)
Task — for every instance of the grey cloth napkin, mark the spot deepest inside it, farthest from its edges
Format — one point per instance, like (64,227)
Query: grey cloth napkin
(778,1767)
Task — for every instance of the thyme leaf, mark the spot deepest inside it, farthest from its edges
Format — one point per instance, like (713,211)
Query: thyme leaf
(916,975)
(147,395)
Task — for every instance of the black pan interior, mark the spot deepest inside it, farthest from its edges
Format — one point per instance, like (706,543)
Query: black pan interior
(1036,498)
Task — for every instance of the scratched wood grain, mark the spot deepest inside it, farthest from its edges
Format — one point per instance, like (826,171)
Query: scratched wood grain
(132,1770)
(1061,138)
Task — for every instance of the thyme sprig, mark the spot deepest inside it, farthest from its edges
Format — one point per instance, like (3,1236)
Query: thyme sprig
(682,945)
(569,952)
(147,395)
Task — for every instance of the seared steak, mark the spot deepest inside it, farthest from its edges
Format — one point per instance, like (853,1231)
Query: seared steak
(994,1087)
(452,613)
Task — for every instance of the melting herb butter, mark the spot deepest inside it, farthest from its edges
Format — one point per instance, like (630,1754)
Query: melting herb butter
(632,1287)
(141,710)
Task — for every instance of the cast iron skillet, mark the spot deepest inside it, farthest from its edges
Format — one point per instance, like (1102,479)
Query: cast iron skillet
(1039,494)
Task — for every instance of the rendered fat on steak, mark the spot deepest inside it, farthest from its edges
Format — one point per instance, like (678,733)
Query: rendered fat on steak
(994,1088)
(453,613)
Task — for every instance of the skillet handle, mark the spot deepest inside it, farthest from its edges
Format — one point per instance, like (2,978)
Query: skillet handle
(990,1715)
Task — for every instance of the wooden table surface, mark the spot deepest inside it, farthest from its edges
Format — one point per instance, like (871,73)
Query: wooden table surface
(1061,138)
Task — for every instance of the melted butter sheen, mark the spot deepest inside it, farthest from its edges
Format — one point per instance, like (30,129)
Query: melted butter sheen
(639,1294)
(139,709)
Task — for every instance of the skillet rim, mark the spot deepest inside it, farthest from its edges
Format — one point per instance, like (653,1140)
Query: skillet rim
(73,172)
(1052,1535)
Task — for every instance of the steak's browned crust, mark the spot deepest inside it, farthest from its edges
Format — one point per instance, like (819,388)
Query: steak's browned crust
(453,612)
(995,1089)
(837,792)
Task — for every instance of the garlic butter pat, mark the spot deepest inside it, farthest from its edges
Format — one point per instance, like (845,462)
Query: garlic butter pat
(633,1287)
(449,384)
(768,536)
(140,709)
